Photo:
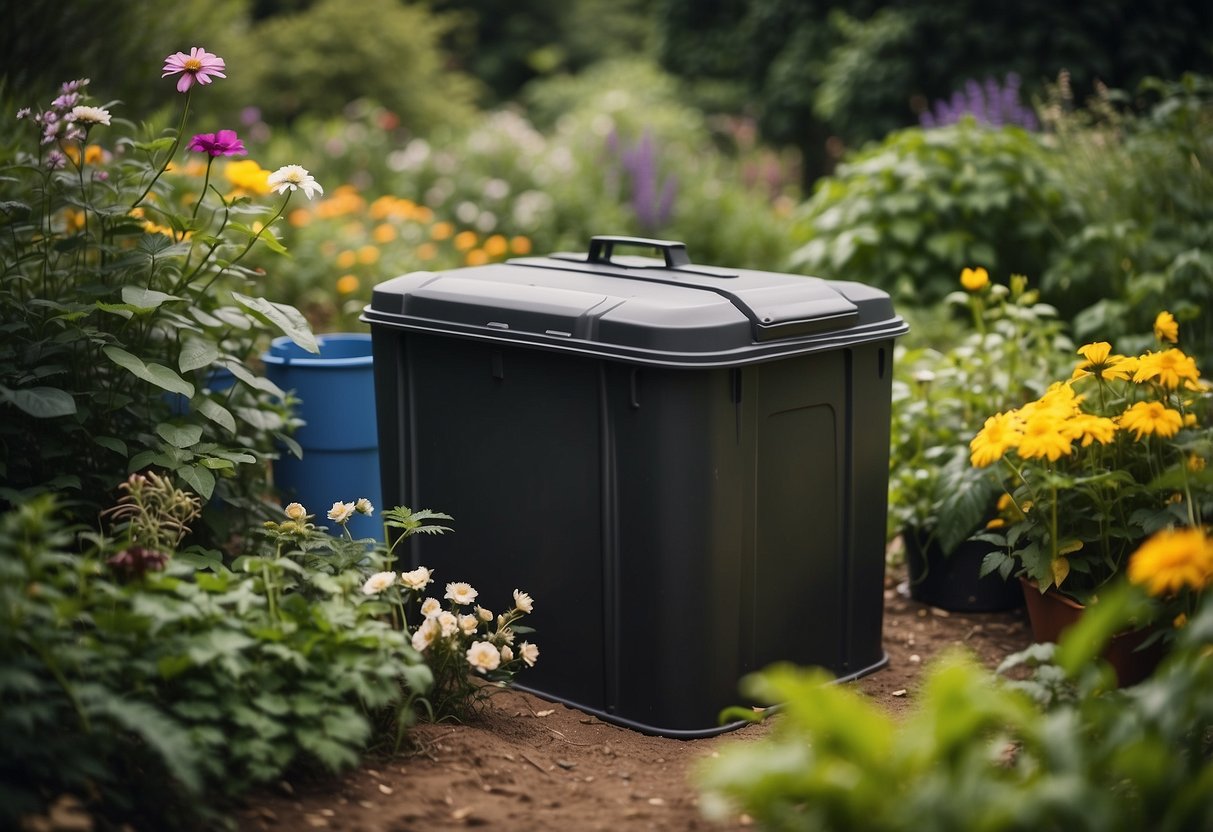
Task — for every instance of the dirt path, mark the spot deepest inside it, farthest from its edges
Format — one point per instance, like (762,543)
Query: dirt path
(534,765)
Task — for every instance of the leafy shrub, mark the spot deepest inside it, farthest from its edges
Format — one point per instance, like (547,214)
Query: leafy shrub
(1145,187)
(912,211)
(1064,750)
(130,322)
(158,694)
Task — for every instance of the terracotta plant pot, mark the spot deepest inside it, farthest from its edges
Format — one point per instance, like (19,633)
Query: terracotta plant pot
(953,582)
(1052,613)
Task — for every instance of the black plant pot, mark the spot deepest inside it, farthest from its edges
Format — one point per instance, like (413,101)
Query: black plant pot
(953,582)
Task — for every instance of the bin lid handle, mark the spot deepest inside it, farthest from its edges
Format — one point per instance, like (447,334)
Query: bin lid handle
(602,247)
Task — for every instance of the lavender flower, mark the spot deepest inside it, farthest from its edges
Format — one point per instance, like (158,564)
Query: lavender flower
(651,198)
(987,103)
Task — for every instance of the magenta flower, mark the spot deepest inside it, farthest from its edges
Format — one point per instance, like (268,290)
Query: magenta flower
(199,65)
(223,143)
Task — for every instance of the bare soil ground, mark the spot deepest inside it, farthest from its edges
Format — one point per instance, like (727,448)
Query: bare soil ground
(529,764)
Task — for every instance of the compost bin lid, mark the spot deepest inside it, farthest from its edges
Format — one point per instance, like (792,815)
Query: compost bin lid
(664,310)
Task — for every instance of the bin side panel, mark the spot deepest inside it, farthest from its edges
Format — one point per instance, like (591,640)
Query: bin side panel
(871,395)
(680,480)
(798,584)
(507,442)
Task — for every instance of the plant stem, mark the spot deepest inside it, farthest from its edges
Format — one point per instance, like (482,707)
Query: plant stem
(172,150)
(205,182)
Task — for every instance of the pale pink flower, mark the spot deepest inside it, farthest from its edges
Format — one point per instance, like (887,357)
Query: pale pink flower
(198,66)
(460,593)
(378,583)
(522,601)
(340,512)
(483,657)
(418,579)
(423,637)
(529,653)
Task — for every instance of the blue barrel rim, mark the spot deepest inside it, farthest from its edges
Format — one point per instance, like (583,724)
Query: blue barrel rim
(285,352)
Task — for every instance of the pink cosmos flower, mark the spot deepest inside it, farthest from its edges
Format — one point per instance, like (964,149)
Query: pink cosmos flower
(223,143)
(199,65)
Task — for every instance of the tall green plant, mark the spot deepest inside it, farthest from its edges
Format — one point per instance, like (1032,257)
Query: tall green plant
(131,321)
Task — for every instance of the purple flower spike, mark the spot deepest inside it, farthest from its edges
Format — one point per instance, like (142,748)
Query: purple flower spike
(223,143)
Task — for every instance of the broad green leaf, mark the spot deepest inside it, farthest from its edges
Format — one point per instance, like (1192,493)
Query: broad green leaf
(199,479)
(145,298)
(195,354)
(179,436)
(287,318)
(217,413)
(40,402)
(113,443)
(122,310)
(156,374)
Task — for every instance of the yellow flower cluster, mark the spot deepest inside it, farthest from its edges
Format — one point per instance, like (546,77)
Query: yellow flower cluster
(1172,560)
(1049,427)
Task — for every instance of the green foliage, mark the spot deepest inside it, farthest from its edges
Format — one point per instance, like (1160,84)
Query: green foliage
(908,214)
(1145,186)
(319,60)
(127,341)
(945,386)
(977,752)
(162,697)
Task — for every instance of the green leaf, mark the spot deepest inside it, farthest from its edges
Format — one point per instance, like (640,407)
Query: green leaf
(217,413)
(145,298)
(199,479)
(196,354)
(287,318)
(179,436)
(154,146)
(114,444)
(156,374)
(40,402)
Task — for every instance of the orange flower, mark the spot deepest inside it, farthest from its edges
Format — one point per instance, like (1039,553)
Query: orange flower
(1173,559)
(347,284)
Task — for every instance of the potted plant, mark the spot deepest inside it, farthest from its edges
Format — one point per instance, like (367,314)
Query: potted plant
(936,499)
(1094,467)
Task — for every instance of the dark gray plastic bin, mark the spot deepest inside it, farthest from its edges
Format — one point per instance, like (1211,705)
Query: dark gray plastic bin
(686,466)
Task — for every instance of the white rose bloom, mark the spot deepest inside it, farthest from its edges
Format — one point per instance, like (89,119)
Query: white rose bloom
(424,635)
(340,512)
(448,622)
(378,583)
(507,654)
(418,579)
(460,593)
(523,601)
(484,614)
(364,506)
(430,607)
(483,656)
(467,623)
(296,511)
(529,653)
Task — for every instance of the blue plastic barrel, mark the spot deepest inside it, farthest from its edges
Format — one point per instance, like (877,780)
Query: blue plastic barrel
(340,443)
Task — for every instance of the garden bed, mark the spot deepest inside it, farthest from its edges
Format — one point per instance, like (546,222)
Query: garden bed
(532,764)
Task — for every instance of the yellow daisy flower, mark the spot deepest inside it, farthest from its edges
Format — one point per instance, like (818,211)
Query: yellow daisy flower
(1000,433)
(1151,418)
(1165,327)
(1168,368)
(1100,362)
(1173,559)
(1044,437)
